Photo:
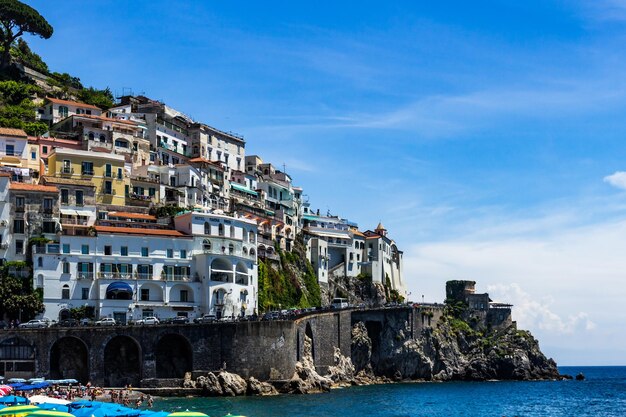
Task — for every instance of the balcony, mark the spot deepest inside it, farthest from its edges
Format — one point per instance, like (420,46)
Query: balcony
(87,173)
(73,222)
(224,246)
(85,275)
(50,249)
(176,277)
(115,275)
(66,171)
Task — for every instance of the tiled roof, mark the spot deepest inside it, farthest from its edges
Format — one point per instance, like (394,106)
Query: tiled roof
(129,215)
(358,233)
(139,231)
(8,131)
(20,186)
(107,119)
(206,161)
(72,103)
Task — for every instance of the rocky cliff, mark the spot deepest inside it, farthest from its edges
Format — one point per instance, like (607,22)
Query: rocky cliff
(447,353)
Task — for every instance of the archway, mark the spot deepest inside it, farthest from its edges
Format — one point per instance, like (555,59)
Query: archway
(241,272)
(64,314)
(173,356)
(69,359)
(122,362)
(17,358)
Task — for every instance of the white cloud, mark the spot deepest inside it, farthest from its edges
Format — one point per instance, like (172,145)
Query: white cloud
(617,180)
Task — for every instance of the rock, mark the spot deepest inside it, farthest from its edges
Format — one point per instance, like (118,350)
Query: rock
(188,382)
(361,348)
(580,377)
(232,384)
(256,387)
(210,385)
(342,373)
(305,379)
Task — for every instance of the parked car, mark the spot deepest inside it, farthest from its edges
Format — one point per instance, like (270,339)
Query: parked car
(86,322)
(34,324)
(207,318)
(150,320)
(107,321)
(180,320)
(3,324)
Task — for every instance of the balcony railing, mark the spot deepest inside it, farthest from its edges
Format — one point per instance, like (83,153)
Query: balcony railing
(115,275)
(70,221)
(176,277)
(52,248)
(85,275)
(66,171)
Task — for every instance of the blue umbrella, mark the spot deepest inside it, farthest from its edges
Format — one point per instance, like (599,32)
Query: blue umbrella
(13,399)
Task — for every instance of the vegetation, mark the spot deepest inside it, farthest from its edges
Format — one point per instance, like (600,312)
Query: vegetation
(22,53)
(290,284)
(18,298)
(166,211)
(392,294)
(17,109)
(16,19)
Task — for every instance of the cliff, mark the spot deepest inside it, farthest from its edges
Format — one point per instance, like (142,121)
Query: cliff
(445,354)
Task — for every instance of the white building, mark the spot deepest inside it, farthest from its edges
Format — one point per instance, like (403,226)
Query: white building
(55,110)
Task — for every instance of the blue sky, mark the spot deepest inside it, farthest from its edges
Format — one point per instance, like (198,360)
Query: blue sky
(485,135)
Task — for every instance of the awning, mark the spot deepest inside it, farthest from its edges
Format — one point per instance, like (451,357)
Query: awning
(119,287)
(68,212)
(310,217)
(337,234)
(85,213)
(243,189)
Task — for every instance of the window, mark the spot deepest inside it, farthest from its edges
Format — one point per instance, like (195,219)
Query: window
(19,247)
(84,249)
(144,252)
(47,205)
(33,155)
(19,203)
(108,187)
(231,248)
(49,226)
(145,294)
(84,293)
(10,150)
(87,168)
(65,196)
(65,292)
(18,226)
(151,192)
(79,198)
(107,170)
(183,254)
(232,231)
(170,253)
(44,150)
(184,295)
(66,248)
(40,262)
(120,143)
(206,244)
(119,174)
(63,111)
(124,250)
(66,267)
(220,230)
(67,167)
(107,250)
(207,228)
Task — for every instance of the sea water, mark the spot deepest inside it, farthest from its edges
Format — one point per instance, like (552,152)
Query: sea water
(602,393)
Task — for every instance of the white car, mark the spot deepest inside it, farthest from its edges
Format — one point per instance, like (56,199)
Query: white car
(148,320)
(34,324)
(107,321)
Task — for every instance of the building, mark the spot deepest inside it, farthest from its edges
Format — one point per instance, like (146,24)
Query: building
(105,170)
(14,152)
(54,110)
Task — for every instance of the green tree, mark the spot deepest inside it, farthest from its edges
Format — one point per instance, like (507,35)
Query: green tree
(22,53)
(18,298)
(16,19)
(101,98)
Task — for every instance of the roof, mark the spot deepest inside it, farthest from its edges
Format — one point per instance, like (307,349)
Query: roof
(130,215)
(20,186)
(72,103)
(68,181)
(206,161)
(358,233)
(139,231)
(8,131)
(107,119)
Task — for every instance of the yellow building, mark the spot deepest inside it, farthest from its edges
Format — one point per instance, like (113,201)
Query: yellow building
(105,171)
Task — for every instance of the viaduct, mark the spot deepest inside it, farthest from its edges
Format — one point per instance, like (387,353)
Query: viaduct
(145,355)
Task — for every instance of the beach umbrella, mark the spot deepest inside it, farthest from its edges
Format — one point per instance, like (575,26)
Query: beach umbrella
(13,399)
(39,399)
(7,387)
(48,413)
(18,410)
(5,391)
(17,380)
(187,413)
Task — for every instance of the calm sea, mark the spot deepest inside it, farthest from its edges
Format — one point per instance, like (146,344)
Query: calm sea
(603,393)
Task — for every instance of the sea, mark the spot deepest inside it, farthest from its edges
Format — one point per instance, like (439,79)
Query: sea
(602,393)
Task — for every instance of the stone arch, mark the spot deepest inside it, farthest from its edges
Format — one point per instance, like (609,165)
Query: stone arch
(176,296)
(64,314)
(154,293)
(174,356)
(221,270)
(69,359)
(122,362)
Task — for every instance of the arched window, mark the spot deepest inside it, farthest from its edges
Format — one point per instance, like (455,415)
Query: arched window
(91,136)
(231,249)
(251,236)
(220,230)
(206,244)
(65,292)
(252,252)
(207,228)
(245,251)
(103,138)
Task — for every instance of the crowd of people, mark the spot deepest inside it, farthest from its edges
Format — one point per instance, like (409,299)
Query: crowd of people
(88,392)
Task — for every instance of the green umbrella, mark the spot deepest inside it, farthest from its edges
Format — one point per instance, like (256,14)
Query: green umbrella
(187,413)
(49,413)
(18,410)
